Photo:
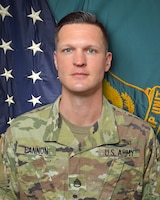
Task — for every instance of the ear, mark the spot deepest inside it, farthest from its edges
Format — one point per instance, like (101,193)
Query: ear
(55,59)
(108,61)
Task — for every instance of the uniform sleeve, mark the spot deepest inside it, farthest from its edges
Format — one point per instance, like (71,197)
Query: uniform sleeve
(7,171)
(151,183)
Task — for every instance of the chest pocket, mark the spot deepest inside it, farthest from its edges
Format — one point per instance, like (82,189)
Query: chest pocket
(123,181)
(39,173)
(125,175)
(115,174)
(34,178)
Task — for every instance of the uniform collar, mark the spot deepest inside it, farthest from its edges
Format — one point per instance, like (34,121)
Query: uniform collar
(103,132)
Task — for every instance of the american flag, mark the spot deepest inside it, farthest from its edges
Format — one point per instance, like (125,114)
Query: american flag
(28,78)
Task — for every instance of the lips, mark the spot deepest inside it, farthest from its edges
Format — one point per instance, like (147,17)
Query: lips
(79,74)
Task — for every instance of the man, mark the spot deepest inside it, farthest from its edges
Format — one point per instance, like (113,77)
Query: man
(80,147)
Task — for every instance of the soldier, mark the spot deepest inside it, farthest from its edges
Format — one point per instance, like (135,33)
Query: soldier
(80,147)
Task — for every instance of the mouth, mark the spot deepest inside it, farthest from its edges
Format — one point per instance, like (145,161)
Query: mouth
(80,75)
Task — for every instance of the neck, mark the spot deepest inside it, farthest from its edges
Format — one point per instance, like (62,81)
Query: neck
(81,110)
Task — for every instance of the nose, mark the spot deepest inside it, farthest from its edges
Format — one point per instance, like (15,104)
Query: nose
(79,58)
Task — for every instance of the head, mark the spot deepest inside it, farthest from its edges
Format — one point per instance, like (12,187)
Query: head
(81,55)
(81,17)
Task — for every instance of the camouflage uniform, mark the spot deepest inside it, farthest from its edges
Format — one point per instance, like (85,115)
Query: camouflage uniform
(43,160)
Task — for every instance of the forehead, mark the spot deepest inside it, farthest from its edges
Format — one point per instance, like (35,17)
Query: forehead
(80,30)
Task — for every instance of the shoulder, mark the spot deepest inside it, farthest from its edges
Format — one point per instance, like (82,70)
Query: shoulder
(130,124)
(30,124)
(121,113)
(41,113)
(129,117)
(38,113)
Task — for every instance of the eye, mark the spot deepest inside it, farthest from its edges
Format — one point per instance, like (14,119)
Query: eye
(91,51)
(67,50)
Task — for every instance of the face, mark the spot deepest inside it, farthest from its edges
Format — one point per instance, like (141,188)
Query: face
(81,58)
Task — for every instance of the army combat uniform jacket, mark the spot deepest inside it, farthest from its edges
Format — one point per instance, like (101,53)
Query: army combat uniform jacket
(43,160)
